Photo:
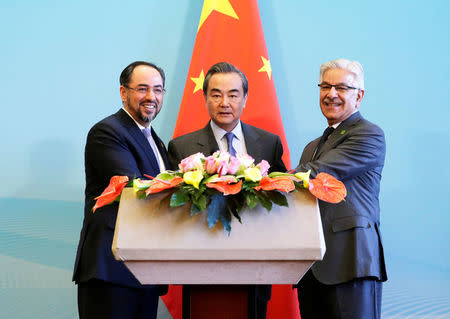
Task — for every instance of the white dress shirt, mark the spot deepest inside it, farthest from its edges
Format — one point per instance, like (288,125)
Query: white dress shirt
(238,140)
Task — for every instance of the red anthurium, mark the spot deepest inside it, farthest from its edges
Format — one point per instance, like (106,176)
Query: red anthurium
(279,183)
(327,188)
(158,185)
(226,188)
(115,187)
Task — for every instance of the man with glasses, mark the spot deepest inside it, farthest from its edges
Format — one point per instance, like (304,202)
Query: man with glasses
(225,90)
(121,144)
(347,283)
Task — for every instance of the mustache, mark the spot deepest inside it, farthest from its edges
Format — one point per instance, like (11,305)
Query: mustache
(332,100)
(153,102)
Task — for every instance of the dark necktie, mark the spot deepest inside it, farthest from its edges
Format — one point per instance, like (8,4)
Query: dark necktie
(231,149)
(323,139)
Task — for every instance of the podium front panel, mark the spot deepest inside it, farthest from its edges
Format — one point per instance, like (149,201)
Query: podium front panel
(163,245)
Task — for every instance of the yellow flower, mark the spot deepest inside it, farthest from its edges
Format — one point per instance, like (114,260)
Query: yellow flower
(141,185)
(303,176)
(253,174)
(193,178)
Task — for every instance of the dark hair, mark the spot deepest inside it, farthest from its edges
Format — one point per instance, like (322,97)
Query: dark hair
(224,67)
(125,76)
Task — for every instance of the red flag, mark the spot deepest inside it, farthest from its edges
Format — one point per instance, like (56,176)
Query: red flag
(231,31)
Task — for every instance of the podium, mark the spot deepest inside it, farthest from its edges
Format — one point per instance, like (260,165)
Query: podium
(163,245)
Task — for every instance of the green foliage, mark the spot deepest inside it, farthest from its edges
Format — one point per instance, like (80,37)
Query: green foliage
(220,207)
(179,198)
(277,198)
(264,200)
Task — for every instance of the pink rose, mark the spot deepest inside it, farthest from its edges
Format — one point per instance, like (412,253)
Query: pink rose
(186,164)
(191,162)
(233,166)
(210,165)
(263,167)
(222,169)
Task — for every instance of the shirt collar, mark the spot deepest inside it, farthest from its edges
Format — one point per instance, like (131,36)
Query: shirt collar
(220,132)
(139,125)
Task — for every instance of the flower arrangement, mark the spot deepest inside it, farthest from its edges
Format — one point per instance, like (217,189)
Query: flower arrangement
(222,185)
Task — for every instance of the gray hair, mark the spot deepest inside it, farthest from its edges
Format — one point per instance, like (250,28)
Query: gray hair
(224,67)
(353,67)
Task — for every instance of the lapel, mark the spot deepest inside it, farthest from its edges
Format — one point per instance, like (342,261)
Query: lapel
(206,141)
(308,153)
(139,138)
(251,142)
(339,133)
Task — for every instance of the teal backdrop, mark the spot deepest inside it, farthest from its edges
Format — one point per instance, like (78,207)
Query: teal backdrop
(60,62)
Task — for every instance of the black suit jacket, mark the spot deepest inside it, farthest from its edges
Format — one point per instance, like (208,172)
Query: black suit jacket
(354,153)
(115,146)
(260,145)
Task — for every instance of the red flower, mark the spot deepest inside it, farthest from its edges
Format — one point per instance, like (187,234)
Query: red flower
(115,187)
(279,183)
(226,188)
(327,188)
(158,185)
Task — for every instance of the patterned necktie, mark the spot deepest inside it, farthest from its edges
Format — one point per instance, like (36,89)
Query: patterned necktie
(148,135)
(231,149)
(323,139)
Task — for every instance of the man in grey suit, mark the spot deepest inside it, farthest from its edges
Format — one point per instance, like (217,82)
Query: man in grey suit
(225,90)
(347,283)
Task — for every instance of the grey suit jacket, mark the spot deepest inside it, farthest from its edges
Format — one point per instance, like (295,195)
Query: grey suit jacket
(260,145)
(354,153)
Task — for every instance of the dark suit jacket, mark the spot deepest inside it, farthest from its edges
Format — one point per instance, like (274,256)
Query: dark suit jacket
(354,153)
(115,146)
(260,145)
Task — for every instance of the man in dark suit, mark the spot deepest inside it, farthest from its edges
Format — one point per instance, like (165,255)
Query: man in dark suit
(225,90)
(121,144)
(347,283)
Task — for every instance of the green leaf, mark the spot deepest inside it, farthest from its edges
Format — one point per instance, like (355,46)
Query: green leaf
(264,200)
(235,206)
(251,200)
(277,198)
(200,201)
(141,194)
(275,174)
(247,186)
(179,198)
(165,176)
(215,209)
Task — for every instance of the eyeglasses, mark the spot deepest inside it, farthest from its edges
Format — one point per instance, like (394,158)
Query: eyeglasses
(145,89)
(341,88)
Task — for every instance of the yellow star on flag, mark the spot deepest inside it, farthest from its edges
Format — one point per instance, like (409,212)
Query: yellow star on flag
(266,67)
(222,6)
(198,82)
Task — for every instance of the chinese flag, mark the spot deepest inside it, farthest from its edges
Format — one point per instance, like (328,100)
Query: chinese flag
(231,31)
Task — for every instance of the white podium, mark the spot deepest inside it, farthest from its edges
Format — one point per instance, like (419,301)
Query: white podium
(163,245)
